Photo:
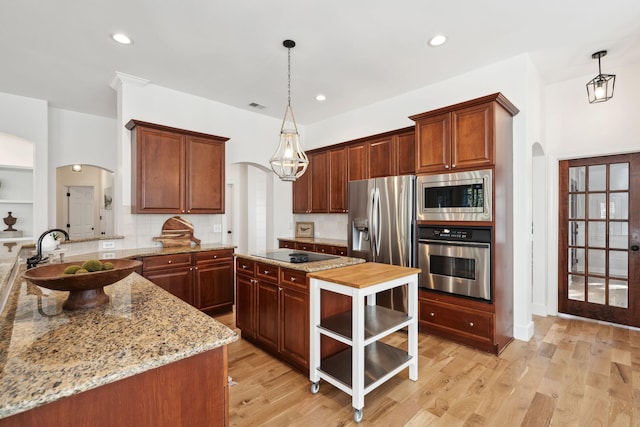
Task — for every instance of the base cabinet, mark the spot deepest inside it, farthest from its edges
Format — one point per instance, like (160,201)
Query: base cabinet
(272,310)
(461,320)
(189,392)
(310,247)
(202,279)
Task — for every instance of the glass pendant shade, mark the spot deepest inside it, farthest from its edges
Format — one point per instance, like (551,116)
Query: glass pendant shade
(600,88)
(289,161)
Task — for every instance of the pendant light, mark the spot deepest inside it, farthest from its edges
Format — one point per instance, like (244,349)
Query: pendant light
(600,88)
(289,161)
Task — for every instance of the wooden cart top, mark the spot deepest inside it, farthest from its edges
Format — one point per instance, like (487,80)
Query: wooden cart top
(364,275)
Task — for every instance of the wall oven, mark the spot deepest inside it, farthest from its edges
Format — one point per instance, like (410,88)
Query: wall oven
(456,260)
(459,196)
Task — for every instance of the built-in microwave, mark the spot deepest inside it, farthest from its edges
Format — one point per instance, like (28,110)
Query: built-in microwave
(459,196)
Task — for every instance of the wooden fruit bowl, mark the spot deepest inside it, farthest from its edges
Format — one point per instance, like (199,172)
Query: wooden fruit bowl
(85,290)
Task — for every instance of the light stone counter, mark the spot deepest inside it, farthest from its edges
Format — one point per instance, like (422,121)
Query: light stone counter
(47,353)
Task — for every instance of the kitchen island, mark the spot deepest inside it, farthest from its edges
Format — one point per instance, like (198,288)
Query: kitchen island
(272,301)
(146,358)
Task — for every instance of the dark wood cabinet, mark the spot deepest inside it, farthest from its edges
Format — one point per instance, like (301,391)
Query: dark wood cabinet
(202,279)
(405,148)
(319,182)
(357,155)
(272,310)
(324,187)
(462,136)
(245,297)
(337,177)
(302,192)
(313,247)
(471,135)
(381,158)
(175,170)
(173,273)
(213,281)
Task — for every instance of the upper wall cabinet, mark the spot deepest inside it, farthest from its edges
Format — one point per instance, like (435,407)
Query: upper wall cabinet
(462,136)
(175,170)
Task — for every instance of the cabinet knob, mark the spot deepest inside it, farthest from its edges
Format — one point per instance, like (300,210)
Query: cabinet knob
(215,257)
(470,323)
(170,261)
(293,279)
(446,166)
(279,289)
(453,166)
(266,272)
(244,267)
(432,314)
(195,268)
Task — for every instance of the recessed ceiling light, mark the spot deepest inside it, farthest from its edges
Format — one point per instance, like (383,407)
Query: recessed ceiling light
(121,38)
(320,97)
(437,40)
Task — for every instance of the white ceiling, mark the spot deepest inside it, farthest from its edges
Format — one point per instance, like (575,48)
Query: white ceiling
(356,52)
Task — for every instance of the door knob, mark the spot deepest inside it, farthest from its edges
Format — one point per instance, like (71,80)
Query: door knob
(635,247)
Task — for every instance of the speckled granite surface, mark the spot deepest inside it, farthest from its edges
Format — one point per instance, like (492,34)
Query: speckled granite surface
(47,353)
(308,267)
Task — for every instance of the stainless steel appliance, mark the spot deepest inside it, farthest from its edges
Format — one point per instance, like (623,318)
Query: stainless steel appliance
(382,227)
(456,260)
(459,196)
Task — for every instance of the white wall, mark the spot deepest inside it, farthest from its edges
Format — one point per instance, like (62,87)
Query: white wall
(27,118)
(576,129)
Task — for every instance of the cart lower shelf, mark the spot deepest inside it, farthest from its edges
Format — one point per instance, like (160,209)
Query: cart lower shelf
(380,361)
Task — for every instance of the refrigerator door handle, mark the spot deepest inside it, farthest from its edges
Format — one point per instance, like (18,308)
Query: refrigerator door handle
(377,216)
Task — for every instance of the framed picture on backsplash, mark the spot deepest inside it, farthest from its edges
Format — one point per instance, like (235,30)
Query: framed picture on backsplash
(304,229)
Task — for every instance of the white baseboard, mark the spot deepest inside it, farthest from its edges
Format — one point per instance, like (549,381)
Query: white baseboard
(523,332)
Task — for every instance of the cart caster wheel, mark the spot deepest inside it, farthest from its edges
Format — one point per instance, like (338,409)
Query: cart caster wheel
(315,387)
(357,415)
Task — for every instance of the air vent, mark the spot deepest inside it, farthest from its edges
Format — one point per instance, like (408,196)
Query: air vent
(256,105)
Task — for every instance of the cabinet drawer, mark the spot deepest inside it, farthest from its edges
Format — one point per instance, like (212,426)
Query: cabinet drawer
(325,249)
(213,256)
(165,261)
(305,246)
(339,250)
(294,278)
(267,272)
(287,244)
(245,266)
(459,318)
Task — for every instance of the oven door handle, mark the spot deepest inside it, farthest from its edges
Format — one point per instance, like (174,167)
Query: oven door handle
(452,243)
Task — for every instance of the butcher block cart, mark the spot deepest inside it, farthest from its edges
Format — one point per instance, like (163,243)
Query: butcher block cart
(367,362)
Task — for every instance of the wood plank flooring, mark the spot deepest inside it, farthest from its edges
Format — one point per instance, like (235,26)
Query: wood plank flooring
(572,373)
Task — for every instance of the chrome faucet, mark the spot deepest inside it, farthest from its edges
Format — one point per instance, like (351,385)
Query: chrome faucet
(37,258)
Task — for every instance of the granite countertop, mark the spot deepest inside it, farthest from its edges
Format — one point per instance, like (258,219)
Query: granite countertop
(47,353)
(316,241)
(145,252)
(307,267)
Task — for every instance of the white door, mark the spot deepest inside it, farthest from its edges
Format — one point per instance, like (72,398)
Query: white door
(80,212)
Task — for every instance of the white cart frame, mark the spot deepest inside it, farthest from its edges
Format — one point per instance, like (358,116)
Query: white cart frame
(369,323)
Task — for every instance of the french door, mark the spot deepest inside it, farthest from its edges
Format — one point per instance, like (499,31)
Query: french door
(599,238)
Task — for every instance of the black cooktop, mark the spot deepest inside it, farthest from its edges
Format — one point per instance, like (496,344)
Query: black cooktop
(295,257)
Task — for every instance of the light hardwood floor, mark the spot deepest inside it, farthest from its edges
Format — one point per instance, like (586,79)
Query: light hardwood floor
(571,373)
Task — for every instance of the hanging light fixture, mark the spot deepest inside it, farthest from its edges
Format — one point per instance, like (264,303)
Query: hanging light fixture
(600,88)
(289,161)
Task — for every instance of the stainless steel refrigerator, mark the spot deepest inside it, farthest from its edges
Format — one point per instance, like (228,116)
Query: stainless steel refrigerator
(382,227)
